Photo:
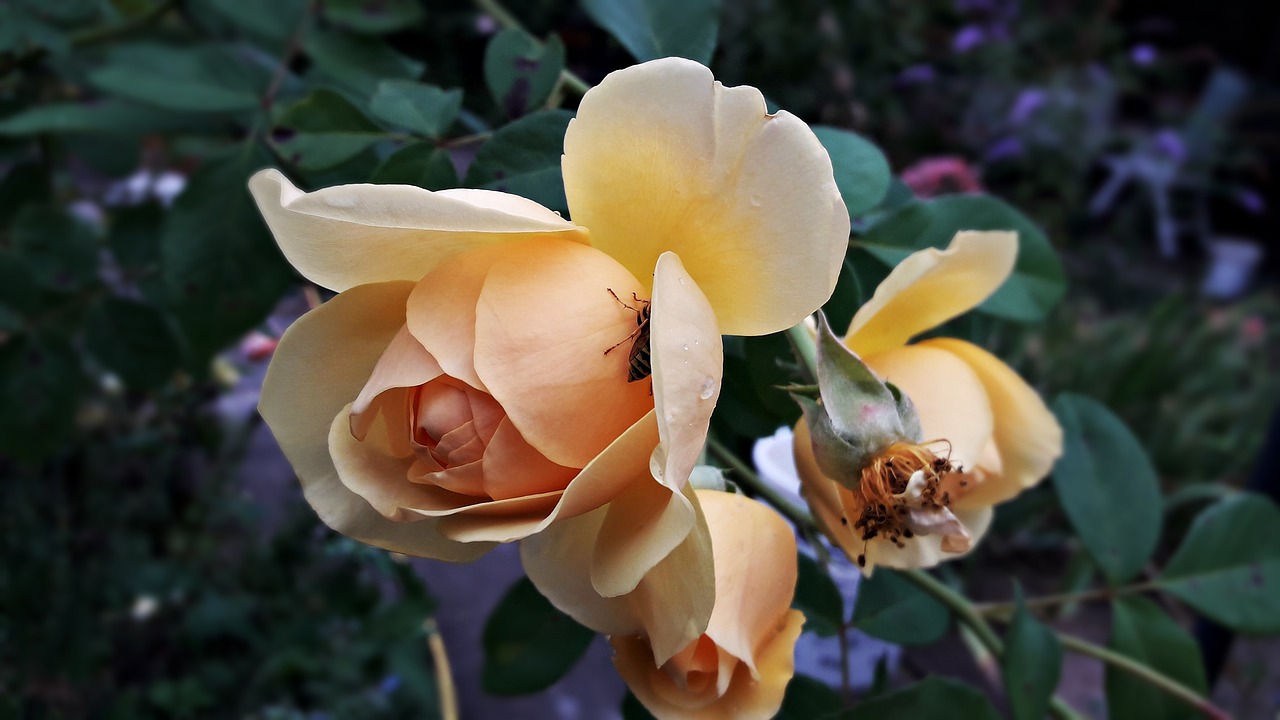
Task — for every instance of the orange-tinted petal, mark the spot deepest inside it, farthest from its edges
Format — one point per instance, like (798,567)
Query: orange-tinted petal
(543,323)
(512,468)
(381,479)
(321,364)
(349,235)
(1027,436)
(930,287)
(661,157)
(641,527)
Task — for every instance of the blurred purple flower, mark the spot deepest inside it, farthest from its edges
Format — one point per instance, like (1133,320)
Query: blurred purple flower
(921,74)
(968,38)
(1169,143)
(1003,149)
(1251,200)
(1142,54)
(1026,105)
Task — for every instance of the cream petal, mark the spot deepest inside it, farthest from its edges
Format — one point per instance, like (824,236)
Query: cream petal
(611,472)
(349,235)
(379,478)
(948,396)
(642,526)
(671,605)
(930,287)
(322,362)
(512,468)
(543,323)
(688,358)
(404,364)
(927,550)
(661,157)
(1026,435)
(755,566)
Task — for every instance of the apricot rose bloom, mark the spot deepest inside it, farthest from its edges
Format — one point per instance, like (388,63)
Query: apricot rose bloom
(456,393)
(739,667)
(977,415)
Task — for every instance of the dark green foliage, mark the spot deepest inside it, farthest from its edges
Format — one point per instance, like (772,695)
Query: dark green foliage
(818,598)
(529,644)
(892,608)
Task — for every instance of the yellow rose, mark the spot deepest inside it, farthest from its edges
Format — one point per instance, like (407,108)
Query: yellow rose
(457,391)
(738,668)
(989,435)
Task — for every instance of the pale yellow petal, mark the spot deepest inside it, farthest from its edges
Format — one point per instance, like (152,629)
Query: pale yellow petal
(380,478)
(755,561)
(404,364)
(671,605)
(924,551)
(930,287)
(321,364)
(1026,434)
(948,395)
(688,358)
(662,157)
(348,235)
(641,527)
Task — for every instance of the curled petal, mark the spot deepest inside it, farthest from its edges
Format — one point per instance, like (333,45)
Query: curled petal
(404,364)
(662,157)
(671,605)
(950,400)
(930,287)
(379,478)
(929,550)
(642,526)
(349,235)
(688,358)
(322,362)
(543,323)
(1026,435)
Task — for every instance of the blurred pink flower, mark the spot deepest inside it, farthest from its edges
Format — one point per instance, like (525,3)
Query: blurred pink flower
(258,346)
(933,176)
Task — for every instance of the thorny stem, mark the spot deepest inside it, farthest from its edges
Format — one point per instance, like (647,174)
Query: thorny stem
(494,9)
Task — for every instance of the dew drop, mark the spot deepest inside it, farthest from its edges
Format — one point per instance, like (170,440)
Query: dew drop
(756,201)
(708,389)
(684,347)
(695,342)
(681,281)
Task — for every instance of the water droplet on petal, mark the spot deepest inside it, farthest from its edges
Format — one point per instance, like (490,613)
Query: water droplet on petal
(681,281)
(708,389)
(756,201)
(684,347)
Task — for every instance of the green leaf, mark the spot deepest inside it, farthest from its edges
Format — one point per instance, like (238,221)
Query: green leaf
(373,16)
(528,644)
(23,185)
(933,697)
(1031,664)
(420,108)
(1107,487)
(1037,282)
(21,298)
(357,64)
(520,71)
(859,275)
(134,236)
(807,698)
(891,608)
(524,158)
(132,340)
(818,598)
(632,709)
(205,78)
(275,21)
(651,29)
(861,170)
(222,270)
(1143,631)
(420,164)
(41,382)
(110,116)
(1228,565)
(323,130)
(56,248)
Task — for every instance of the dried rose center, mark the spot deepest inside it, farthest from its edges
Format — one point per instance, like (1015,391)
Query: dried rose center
(882,506)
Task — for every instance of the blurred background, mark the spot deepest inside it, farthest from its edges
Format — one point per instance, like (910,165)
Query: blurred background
(158,559)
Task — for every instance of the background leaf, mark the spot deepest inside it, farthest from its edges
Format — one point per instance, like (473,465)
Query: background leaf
(651,29)
(1143,631)
(420,164)
(524,158)
(807,698)
(41,382)
(1037,282)
(208,78)
(528,644)
(1228,565)
(372,16)
(323,130)
(520,71)
(418,107)
(933,697)
(1107,487)
(133,340)
(891,608)
(1031,665)
(861,170)
(818,598)
(57,249)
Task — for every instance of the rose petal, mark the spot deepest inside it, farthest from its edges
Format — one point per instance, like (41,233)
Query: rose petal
(379,478)
(755,565)
(930,287)
(688,358)
(558,559)
(543,323)
(661,157)
(641,527)
(927,550)
(948,396)
(322,362)
(1026,434)
(512,468)
(349,235)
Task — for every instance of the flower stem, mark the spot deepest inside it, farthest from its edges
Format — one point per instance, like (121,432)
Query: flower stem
(746,476)
(1003,610)
(806,350)
(494,9)
(1147,674)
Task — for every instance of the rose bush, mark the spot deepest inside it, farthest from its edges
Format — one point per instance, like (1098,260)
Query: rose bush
(988,434)
(456,392)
